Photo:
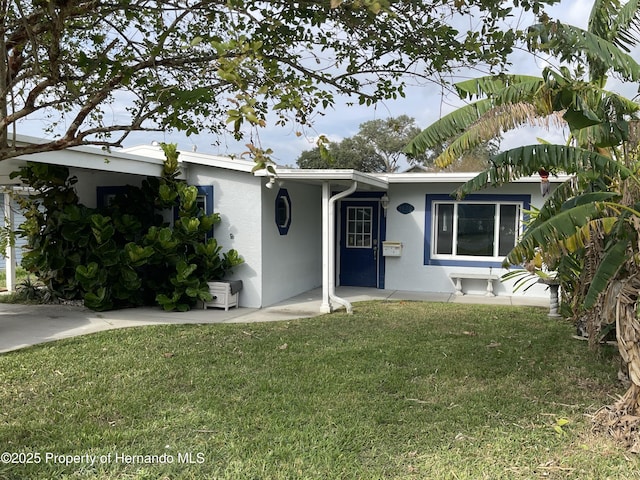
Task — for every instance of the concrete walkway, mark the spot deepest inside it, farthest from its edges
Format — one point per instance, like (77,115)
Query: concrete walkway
(25,325)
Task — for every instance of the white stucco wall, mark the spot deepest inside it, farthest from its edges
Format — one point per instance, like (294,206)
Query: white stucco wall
(292,263)
(408,271)
(237,200)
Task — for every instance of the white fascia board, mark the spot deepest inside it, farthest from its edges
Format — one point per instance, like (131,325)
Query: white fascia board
(318,176)
(460,178)
(91,157)
(95,159)
(217,161)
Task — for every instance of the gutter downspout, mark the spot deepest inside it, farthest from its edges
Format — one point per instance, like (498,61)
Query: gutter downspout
(329,248)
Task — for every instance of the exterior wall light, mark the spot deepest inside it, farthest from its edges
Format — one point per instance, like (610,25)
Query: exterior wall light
(271,182)
(384,203)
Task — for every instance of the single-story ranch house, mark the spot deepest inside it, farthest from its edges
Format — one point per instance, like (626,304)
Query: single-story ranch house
(308,228)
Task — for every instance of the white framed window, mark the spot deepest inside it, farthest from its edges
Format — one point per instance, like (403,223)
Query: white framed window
(474,230)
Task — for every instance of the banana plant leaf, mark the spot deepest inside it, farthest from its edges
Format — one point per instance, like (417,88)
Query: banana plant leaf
(580,40)
(583,235)
(528,160)
(553,231)
(447,127)
(626,25)
(500,90)
(613,259)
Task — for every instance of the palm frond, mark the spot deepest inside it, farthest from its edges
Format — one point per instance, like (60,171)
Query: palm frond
(584,235)
(495,85)
(569,43)
(625,25)
(618,114)
(601,17)
(602,135)
(523,279)
(528,160)
(555,230)
(447,127)
(491,125)
(500,90)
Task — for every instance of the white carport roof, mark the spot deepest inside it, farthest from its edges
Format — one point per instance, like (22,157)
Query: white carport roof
(188,157)
(91,158)
(146,160)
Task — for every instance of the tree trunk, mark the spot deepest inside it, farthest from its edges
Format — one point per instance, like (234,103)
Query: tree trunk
(620,304)
(622,419)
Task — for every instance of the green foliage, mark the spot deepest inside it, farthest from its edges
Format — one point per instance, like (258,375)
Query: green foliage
(377,147)
(222,66)
(587,230)
(30,290)
(120,256)
(350,153)
(528,160)
(188,287)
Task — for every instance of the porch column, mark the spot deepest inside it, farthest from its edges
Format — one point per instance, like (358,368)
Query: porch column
(10,253)
(325,307)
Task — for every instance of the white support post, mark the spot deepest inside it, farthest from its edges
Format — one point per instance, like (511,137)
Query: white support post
(10,254)
(325,307)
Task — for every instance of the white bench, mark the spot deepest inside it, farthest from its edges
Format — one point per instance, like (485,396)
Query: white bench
(457,278)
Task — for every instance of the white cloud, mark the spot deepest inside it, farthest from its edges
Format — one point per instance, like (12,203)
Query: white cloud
(574,12)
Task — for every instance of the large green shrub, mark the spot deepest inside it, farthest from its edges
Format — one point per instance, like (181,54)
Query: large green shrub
(123,254)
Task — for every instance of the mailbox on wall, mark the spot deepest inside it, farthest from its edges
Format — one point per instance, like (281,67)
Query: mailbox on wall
(391,249)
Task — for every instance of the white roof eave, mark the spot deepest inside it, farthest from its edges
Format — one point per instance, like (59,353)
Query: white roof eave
(344,177)
(195,158)
(460,178)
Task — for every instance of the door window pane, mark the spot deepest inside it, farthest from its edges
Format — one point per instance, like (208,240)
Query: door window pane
(359,227)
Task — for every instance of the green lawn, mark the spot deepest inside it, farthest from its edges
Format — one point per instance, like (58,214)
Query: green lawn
(396,390)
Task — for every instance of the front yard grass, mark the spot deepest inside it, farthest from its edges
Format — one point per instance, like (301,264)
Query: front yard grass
(398,390)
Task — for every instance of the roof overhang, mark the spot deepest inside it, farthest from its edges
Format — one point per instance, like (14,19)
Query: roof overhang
(459,177)
(86,157)
(337,178)
(145,160)
(195,158)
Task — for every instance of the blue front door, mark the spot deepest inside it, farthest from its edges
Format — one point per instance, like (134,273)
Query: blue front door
(359,242)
